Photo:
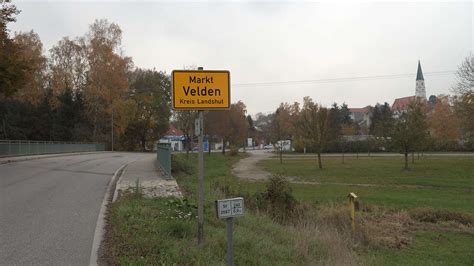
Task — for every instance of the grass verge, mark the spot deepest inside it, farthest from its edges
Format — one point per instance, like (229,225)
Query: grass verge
(281,226)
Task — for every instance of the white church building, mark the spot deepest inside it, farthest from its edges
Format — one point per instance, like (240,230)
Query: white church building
(400,105)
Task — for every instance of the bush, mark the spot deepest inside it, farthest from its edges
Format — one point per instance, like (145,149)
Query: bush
(234,150)
(277,200)
(179,164)
(429,215)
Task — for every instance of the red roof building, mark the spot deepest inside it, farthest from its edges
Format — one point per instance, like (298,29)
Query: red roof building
(173,131)
(401,104)
(361,116)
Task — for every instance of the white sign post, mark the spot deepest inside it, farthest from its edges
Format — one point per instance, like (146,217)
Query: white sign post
(228,209)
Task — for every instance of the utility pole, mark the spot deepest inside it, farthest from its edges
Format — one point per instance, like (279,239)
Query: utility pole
(201,178)
(112,127)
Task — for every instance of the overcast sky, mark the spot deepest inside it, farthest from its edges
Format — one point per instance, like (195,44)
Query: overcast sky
(280,42)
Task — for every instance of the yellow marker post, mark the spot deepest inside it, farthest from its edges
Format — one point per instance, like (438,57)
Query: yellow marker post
(352,200)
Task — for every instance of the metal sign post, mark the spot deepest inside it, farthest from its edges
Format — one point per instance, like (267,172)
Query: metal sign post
(230,241)
(200,90)
(200,130)
(201,182)
(228,209)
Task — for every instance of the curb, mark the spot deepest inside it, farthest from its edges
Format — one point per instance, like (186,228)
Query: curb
(115,196)
(100,225)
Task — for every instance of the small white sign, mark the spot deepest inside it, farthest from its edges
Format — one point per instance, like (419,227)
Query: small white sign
(249,142)
(227,208)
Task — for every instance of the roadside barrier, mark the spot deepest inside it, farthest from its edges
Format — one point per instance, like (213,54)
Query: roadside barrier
(163,155)
(28,147)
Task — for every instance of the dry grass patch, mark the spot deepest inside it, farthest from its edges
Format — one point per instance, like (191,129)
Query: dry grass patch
(430,215)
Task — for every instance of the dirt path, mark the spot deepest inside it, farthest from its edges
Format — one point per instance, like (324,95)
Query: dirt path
(247,168)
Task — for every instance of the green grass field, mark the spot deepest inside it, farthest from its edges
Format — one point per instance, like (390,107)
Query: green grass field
(445,172)
(445,183)
(438,182)
(153,231)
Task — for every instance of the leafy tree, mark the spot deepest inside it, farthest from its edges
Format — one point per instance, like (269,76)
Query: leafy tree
(148,106)
(30,50)
(69,66)
(410,130)
(237,124)
(347,130)
(212,127)
(185,122)
(334,123)
(313,126)
(16,119)
(444,124)
(107,80)
(230,125)
(339,124)
(250,129)
(263,123)
(382,121)
(282,127)
(12,67)
(249,121)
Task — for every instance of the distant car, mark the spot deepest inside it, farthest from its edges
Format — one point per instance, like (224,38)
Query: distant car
(268,147)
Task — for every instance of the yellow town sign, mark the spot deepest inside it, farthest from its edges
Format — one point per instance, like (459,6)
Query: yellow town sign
(200,89)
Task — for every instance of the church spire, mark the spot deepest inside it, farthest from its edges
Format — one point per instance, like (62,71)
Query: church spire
(419,73)
(420,91)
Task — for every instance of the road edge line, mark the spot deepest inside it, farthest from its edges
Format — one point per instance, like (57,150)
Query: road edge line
(45,156)
(100,225)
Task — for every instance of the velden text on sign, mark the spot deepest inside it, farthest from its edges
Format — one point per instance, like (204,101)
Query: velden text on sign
(200,89)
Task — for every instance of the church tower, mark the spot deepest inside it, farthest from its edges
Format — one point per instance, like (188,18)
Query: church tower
(420,91)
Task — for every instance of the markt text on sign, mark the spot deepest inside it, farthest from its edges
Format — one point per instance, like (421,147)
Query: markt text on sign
(201,90)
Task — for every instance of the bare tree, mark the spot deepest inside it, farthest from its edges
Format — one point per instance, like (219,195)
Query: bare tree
(185,122)
(464,99)
(465,77)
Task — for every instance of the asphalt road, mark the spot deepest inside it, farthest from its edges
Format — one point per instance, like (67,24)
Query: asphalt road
(49,207)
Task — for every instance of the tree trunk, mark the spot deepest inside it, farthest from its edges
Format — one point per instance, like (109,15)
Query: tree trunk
(188,143)
(223,146)
(406,160)
(143,139)
(412,157)
(209,146)
(94,131)
(343,154)
(319,161)
(281,155)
